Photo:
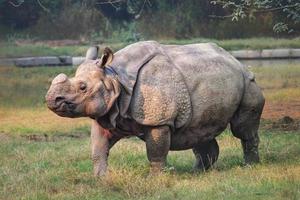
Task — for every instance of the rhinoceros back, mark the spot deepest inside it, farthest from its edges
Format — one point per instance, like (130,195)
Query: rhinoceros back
(192,86)
(215,80)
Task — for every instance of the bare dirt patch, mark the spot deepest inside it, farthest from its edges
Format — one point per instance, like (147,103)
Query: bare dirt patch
(284,124)
(53,138)
(43,137)
(278,110)
(284,116)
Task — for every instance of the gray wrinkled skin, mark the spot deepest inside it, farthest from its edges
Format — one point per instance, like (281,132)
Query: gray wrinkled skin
(172,97)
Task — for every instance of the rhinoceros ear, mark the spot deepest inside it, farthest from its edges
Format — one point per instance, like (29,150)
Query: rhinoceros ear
(92,53)
(106,58)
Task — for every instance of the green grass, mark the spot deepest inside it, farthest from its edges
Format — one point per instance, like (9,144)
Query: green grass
(279,83)
(62,170)
(26,87)
(277,76)
(22,103)
(250,43)
(9,49)
(12,50)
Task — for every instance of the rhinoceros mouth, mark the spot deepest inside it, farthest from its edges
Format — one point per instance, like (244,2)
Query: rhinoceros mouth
(65,108)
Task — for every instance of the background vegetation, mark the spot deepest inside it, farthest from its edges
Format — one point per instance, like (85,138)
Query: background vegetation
(132,20)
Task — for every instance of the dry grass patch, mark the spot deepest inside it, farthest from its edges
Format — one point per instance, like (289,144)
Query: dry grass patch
(283,94)
(39,121)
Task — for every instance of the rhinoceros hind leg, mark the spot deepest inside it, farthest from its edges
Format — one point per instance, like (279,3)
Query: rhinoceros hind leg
(245,122)
(206,155)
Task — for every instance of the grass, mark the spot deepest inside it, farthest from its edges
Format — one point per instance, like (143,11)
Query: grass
(277,76)
(22,102)
(62,170)
(12,50)
(26,87)
(40,121)
(9,49)
(279,83)
(249,43)
(32,167)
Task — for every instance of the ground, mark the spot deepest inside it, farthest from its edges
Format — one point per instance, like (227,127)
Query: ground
(280,109)
(43,156)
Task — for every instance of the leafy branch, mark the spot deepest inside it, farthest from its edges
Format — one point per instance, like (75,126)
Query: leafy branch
(249,8)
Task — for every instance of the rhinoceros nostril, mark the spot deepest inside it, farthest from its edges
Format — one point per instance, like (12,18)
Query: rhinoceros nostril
(59,99)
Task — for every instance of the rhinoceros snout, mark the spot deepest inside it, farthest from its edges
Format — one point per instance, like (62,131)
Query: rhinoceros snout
(60,105)
(53,98)
(53,102)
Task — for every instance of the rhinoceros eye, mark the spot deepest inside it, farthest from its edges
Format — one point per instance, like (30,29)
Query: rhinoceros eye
(82,86)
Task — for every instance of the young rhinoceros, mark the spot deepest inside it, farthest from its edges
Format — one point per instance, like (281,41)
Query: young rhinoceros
(172,97)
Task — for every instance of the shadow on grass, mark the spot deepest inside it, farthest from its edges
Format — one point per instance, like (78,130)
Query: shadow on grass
(271,157)
(280,157)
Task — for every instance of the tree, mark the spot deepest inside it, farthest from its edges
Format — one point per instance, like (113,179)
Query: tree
(289,10)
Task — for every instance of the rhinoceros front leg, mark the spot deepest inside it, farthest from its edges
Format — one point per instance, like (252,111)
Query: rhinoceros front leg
(158,141)
(101,142)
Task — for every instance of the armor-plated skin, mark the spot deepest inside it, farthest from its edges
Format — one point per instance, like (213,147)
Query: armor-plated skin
(172,97)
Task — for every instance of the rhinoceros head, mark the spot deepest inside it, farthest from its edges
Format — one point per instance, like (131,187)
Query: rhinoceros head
(90,93)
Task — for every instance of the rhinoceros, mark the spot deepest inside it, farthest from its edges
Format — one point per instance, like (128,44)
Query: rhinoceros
(173,97)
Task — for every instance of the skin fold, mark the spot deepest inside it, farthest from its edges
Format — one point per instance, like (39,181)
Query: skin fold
(170,96)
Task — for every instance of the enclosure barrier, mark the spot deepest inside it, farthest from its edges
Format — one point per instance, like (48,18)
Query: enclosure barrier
(243,55)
